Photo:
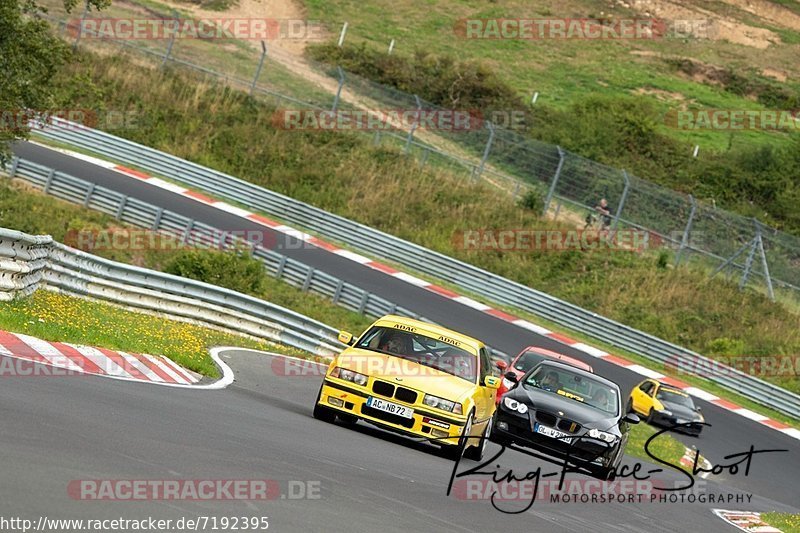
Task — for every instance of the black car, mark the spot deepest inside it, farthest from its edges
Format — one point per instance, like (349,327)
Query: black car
(557,409)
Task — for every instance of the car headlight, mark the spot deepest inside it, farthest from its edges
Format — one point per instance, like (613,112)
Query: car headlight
(440,403)
(602,435)
(665,412)
(349,375)
(514,405)
(698,417)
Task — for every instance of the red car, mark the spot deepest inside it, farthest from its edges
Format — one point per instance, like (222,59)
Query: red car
(529,358)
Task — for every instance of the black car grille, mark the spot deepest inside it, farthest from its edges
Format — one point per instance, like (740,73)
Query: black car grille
(568,425)
(548,419)
(388,417)
(405,395)
(383,388)
(401,393)
(551,420)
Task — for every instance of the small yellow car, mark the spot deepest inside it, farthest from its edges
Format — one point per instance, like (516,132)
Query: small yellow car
(417,379)
(665,405)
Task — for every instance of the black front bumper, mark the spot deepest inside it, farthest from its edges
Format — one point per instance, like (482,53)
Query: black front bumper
(587,452)
(666,421)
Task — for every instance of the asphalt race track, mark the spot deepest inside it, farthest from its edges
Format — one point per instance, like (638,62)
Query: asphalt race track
(60,429)
(772,476)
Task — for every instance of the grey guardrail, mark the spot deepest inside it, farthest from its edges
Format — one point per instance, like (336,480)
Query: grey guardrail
(371,241)
(64,269)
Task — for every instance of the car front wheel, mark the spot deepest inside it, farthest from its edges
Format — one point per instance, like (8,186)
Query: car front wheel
(321,412)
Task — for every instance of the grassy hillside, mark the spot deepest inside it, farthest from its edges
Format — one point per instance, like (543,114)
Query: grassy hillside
(346,174)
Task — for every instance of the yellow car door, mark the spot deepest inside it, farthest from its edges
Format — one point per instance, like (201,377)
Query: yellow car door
(642,401)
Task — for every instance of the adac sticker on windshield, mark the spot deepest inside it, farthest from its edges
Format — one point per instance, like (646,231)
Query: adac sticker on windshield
(405,327)
(570,395)
(448,340)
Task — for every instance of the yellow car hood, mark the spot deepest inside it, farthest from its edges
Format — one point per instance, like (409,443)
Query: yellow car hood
(408,373)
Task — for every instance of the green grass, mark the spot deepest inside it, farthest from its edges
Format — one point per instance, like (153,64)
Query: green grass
(786,522)
(665,446)
(59,317)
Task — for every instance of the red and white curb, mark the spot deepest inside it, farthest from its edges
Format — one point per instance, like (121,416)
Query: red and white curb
(688,461)
(441,291)
(746,521)
(74,359)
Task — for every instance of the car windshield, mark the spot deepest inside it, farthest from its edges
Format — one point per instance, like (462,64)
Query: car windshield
(443,355)
(527,361)
(574,386)
(675,397)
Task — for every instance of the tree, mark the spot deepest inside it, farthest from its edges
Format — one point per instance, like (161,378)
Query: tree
(30,54)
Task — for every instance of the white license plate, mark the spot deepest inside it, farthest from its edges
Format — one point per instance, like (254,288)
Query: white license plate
(389,407)
(552,433)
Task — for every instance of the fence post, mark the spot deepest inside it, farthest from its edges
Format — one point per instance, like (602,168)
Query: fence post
(552,190)
(686,230)
(486,151)
(621,203)
(260,66)
(391,47)
(414,125)
(339,90)
(80,26)
(341,35)
(764,264)
(171,41)
(748,265)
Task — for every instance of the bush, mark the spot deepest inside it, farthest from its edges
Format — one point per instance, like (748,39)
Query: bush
(233,270)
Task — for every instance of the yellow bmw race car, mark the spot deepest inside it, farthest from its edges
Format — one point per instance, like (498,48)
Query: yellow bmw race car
(414,378)
(665,405)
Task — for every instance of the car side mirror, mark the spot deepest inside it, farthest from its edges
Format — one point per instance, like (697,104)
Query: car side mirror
(492,382)
(698,408)
(502,365)
(346,338)
(632,418)
(511,376)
